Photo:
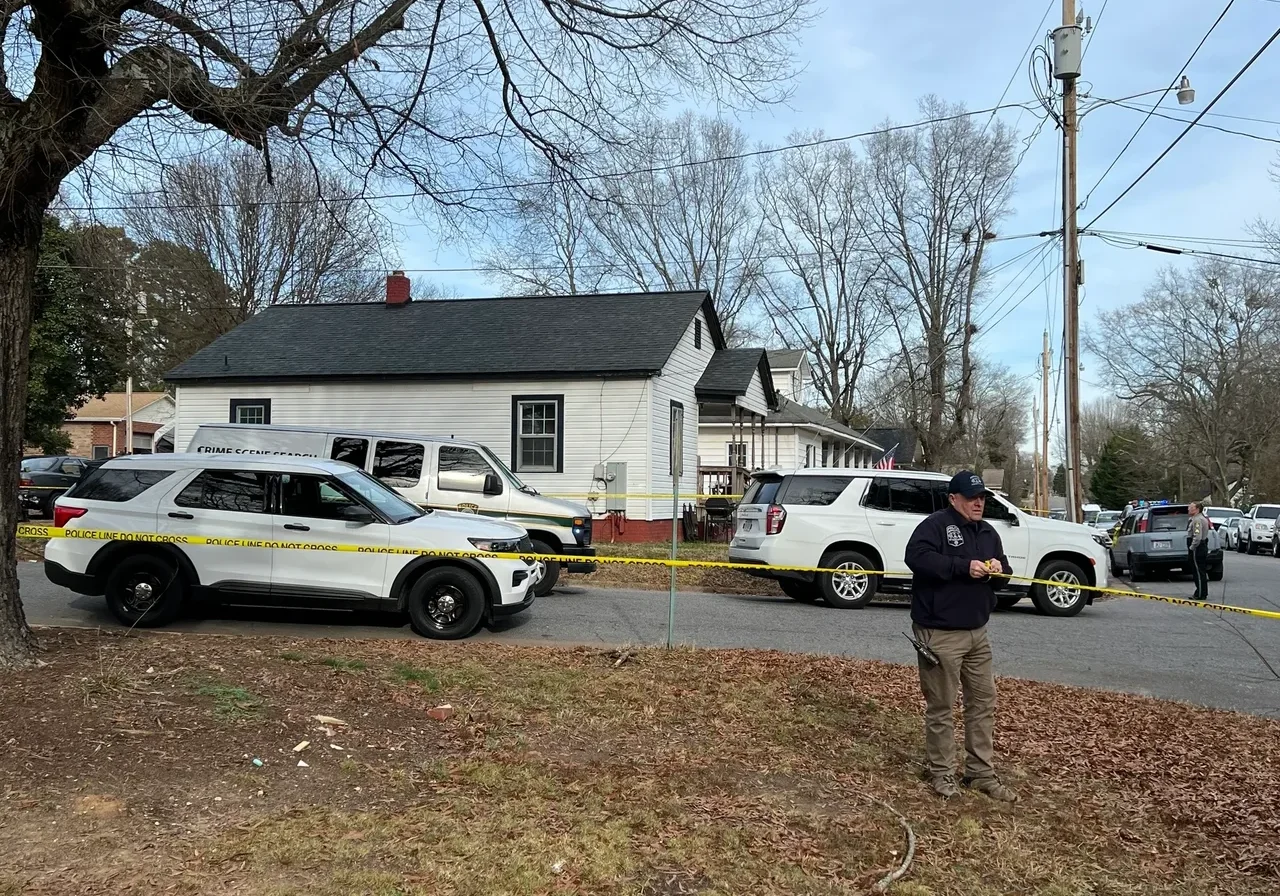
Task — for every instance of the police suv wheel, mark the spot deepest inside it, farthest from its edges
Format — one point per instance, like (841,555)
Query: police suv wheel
(446,603)
(847,589)
(550,569)
(806,592)
(145,591)
(1064,597)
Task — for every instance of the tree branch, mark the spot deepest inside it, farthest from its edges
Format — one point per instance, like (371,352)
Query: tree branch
(202,36)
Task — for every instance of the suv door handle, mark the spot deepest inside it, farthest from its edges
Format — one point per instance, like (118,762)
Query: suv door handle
(178,515)
(886,524)
(297,527)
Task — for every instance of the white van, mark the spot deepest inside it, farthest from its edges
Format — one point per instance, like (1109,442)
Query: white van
(431,471)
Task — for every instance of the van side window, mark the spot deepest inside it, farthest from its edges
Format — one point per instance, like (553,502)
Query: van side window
(456,459)
(398,464)
(226,490)
(351,451)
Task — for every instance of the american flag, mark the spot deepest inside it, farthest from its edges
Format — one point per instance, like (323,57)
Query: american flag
(886,462)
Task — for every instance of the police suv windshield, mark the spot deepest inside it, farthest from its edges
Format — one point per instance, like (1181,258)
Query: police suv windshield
(386,501)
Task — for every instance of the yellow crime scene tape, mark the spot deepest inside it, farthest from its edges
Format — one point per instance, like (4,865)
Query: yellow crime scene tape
(637,495)
(31,531)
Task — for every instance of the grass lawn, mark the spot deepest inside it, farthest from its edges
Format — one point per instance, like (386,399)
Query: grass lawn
(127,766)
(720,581)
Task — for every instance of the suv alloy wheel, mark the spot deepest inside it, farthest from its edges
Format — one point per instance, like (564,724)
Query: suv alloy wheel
(846,589)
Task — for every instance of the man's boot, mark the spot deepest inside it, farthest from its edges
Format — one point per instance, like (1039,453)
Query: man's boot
(945,786)
(994,788)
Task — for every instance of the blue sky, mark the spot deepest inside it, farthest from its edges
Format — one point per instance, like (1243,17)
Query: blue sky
(865,61)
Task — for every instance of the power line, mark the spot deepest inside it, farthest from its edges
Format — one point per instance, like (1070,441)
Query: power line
(1221,93)
(1145,106)
(1089,41)
(1144,121)
(1181,250)
(490,188)
(1212,241)
(1212,127)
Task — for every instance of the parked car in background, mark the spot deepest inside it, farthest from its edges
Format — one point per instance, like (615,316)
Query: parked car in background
(1154,539)
(1229,532)
(1218,516)
(1106,520)
(294,510)
(861,519)
(1257,527)
(43,480)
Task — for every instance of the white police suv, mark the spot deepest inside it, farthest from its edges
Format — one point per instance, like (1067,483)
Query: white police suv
(267,531)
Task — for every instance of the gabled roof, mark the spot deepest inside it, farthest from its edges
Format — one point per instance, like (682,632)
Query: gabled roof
(112,406)
(621,333)
(728,376)
(904,440)
(785,358)
(795,414)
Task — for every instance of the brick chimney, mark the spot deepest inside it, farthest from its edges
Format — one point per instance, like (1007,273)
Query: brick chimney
(397,289)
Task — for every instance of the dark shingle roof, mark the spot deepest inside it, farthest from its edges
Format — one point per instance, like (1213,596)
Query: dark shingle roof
(549,335)
(729,375)
(785,358)
(890,437)
(795,413)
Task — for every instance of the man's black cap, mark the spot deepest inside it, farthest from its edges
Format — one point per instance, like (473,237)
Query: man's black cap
(967,483)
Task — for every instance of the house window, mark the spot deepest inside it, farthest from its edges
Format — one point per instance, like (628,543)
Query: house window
(737,454)
(808,455)
(537,433)
(697,333)
(101,452)
(256,411)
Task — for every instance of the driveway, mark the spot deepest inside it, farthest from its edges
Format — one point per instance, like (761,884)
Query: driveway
(1145,647)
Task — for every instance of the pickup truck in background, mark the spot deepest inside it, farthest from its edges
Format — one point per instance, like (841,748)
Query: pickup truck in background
(1257,527)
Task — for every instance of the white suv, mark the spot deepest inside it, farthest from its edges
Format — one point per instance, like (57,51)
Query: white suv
(1257,527)
(289,509)
(862,519)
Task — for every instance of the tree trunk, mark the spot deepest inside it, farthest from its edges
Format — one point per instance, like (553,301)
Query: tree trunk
(18,255)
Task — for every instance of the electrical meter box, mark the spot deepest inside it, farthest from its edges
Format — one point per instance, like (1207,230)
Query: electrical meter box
(615,489)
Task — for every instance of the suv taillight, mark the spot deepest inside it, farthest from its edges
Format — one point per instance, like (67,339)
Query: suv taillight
(774,518)
(26,482)
(1142,525)
(63,515)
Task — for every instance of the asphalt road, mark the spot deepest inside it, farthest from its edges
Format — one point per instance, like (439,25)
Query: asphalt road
(1226,660)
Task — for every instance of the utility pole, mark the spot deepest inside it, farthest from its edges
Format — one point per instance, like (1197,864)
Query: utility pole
(1044,432)
(1067,53)
(1035,456)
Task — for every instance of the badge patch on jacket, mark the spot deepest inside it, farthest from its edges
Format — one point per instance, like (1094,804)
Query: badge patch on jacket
(955,537)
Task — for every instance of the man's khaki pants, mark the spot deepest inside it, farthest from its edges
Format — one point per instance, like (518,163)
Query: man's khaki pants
(966,665)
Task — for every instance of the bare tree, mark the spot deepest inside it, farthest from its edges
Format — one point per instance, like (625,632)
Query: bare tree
(448,96)
(549,247)
(682,217)
(829,301)
(1100,419)
(291,234)
(935,193)
(1196,358)
(997,421)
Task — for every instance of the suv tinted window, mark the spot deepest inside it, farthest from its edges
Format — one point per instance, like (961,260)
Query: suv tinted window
(398,464)
(312,497)
(762,491)
(902,495)
(117,485)
(994,510)
(1268,513)
(226,490)
(817,491)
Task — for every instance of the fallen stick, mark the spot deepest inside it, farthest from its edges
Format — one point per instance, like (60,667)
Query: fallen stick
(896,874)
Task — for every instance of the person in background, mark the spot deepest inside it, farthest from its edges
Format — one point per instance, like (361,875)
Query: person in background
(1198,548)
(955,557)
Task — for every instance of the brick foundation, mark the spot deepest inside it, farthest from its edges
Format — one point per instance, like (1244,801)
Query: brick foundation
(612,529)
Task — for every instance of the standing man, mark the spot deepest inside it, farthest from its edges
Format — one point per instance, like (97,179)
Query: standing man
(1198,548)
(953,555)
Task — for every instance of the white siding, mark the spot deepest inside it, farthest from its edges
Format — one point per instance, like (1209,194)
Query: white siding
(755,400)
(679,377)
(605,420)
(779,449)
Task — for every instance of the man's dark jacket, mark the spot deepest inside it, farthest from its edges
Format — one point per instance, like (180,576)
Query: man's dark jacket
(943,594)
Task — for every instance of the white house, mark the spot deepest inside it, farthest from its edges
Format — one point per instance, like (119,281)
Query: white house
(791,435)
(556,385)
